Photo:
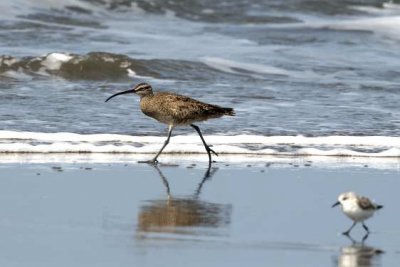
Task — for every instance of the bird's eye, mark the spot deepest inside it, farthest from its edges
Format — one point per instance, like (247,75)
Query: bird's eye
(139,89)
(345,198)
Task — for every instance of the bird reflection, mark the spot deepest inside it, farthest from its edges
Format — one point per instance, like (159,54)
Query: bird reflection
(358,254)
(185,215)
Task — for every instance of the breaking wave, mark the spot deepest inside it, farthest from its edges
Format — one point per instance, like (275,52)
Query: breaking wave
(344,146)
(102,65)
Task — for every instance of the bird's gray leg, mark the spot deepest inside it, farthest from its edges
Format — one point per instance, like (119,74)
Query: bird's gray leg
(364,238)
(154,160)
(348,231)
(208,149)
(165,143)
(365,227)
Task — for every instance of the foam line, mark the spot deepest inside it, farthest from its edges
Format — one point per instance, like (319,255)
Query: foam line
(357,146)
(372,141)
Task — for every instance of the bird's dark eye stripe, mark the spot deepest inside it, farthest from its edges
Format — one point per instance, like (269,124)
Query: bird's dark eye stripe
(142,88)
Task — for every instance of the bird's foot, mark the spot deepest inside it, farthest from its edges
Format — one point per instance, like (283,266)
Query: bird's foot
(151,162)
(347,233)
(210,150)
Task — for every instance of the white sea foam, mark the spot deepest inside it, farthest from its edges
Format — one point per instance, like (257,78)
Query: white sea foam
(23,7)
(387,10)
(354,146)
(231,66)
(255,70)
(17,75)
(387,24)
(381,25)
(54,61)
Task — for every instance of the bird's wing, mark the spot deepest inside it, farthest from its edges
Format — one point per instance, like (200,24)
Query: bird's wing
(183,107)
(366,204)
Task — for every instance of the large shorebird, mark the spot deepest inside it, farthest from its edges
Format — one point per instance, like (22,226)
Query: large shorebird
(357,208)
(176,110)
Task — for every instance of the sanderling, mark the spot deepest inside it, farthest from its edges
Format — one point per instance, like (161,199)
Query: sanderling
(357,208)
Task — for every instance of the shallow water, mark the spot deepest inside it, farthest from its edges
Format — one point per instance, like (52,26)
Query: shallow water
(100,214)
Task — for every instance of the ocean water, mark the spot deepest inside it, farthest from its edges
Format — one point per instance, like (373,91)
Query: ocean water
(304,77)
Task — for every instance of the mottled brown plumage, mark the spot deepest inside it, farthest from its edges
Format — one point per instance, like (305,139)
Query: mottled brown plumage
(170,108)
(175,110)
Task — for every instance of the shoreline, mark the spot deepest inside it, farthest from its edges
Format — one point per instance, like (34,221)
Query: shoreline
(233,160)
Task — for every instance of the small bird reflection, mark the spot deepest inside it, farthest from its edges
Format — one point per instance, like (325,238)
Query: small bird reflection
(358,254)
(187,215)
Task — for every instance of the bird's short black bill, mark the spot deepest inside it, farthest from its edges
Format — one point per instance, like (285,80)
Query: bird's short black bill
(334,205)
(121,93)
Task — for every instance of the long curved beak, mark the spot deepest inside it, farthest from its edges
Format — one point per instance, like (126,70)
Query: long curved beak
(334,205)
(130,91)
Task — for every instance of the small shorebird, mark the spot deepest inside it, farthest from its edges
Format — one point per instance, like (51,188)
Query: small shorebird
(357,208)
(175,110)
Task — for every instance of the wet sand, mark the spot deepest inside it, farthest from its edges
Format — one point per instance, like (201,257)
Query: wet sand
(265,213)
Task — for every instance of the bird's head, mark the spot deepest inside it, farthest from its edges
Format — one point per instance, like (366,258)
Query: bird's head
(142,89)
(345,197)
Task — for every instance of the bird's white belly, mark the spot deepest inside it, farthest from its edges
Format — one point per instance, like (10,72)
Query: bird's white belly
(357,214)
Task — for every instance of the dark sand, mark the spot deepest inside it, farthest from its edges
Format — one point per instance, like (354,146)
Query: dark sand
(270,212)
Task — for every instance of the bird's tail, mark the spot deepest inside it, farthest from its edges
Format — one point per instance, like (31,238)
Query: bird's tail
(378,207)
(229,111)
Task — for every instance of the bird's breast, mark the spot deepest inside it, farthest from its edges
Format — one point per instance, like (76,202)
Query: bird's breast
(356,213)
(152,109)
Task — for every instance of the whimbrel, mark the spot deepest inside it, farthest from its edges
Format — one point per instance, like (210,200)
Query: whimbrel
(176,110)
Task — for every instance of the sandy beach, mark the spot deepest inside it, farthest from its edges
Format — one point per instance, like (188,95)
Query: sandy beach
(75,210)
